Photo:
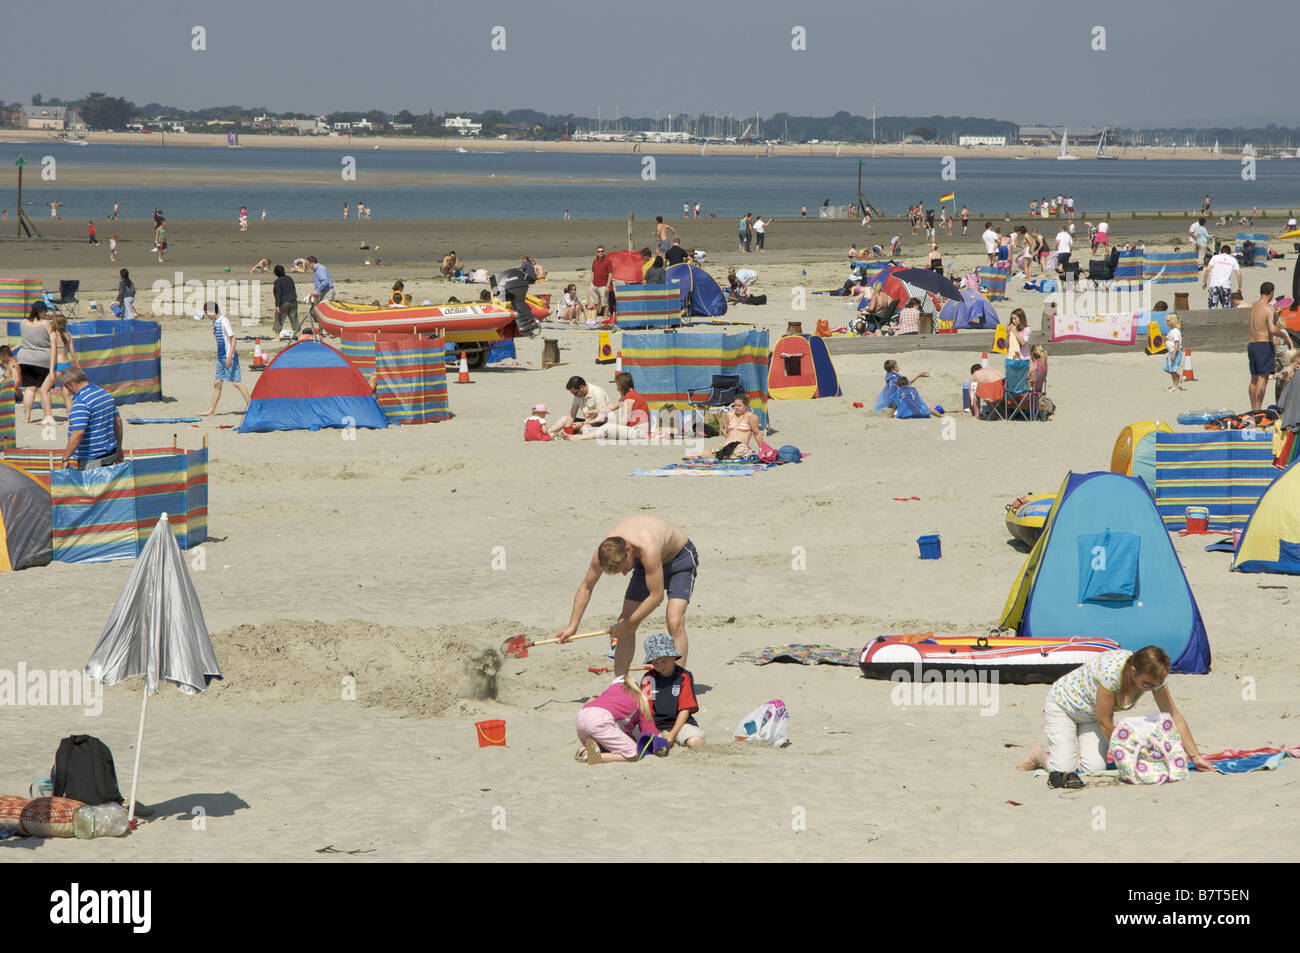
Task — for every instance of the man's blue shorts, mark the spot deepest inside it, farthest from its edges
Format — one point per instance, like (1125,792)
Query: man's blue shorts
(679,576)
(1261,357)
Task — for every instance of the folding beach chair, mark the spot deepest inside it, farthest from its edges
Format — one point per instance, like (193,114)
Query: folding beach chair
(1020,402)
(65,302)
(726,388)
(872,321)
(1099,270)
(990,400)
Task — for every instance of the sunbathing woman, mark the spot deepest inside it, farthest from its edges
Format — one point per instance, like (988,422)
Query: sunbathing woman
(742,428)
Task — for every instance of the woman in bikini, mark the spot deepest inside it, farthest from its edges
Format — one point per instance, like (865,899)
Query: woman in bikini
(742,428)
(62,357)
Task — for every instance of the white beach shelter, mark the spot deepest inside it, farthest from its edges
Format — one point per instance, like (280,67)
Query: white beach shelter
(155,630)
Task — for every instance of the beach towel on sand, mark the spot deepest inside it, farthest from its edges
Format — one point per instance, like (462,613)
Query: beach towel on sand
(1240,761)
(708,467)
(801,653)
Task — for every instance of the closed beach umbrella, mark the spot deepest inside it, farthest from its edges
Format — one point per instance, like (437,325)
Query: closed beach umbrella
(156,630)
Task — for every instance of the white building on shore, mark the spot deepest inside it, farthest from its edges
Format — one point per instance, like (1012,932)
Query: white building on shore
(462,126)
(981,140)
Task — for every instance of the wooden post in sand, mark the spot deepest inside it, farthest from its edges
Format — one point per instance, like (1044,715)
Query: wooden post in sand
(630,217)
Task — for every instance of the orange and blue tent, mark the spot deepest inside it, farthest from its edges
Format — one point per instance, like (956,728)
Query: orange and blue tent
(311,386)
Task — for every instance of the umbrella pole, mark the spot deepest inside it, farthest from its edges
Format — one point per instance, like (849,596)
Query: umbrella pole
(139,739)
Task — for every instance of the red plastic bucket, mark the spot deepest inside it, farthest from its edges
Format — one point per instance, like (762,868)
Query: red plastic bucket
(1198,519)
(491,734)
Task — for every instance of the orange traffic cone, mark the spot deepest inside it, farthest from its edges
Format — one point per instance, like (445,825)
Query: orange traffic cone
(1188,374)
(259,359)
(984,359)
(463,378)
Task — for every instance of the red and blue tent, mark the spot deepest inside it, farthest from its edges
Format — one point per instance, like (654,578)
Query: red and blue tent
(310,386)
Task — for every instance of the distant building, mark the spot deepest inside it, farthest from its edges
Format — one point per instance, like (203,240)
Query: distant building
(981,140)
(462,126)
(44,117)
(1051,135)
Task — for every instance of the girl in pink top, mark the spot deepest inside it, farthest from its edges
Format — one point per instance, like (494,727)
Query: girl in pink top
(1018,346)
(609,725)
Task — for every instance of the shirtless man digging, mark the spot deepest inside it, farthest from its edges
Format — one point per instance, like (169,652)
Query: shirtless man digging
(661,560)
(1263,328)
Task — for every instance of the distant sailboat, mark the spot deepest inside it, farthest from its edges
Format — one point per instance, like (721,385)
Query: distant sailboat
(703,148)
(73,140)
(1101,147)
(232,140)
(1065,147)
(1218,153)
(838,147)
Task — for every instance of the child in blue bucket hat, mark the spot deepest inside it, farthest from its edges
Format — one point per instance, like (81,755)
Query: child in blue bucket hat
(671,690)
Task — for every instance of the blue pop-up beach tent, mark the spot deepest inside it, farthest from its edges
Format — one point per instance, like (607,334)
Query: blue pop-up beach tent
(1104,567)
(972,311)
(701,295)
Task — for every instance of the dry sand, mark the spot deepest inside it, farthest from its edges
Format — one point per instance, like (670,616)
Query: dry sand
(355,590)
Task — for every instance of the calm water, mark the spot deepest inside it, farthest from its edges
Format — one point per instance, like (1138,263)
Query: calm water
(726,185)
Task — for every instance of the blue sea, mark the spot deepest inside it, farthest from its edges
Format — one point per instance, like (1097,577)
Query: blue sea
(610,186)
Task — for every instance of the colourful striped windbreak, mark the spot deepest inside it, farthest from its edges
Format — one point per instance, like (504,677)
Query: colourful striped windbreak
(1129,267)
(1226,472)
(868,268)
(409,371)
(108,513)
(664,365)
(8,432)
(649,306)
(1261,240)
(993,282)
(1164,268)
(123,357)
(16,296)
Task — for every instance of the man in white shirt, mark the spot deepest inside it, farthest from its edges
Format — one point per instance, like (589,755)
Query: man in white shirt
(1064,245)
(590,407)
(990,242)
(1218,276)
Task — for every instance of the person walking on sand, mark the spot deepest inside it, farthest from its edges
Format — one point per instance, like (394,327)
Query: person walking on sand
(227,358)
(1217,277)
(1259,352)
(965,218)
(662,560)
(112,247)
(115,204)
(90,226)
(345,211)
(160,241)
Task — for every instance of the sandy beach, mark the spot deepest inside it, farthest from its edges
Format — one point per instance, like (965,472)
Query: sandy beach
(397,559)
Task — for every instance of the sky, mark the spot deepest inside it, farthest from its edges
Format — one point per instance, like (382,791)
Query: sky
(1164,62)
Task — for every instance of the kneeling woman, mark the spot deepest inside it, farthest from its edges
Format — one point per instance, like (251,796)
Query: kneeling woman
(632,422)
(1080,712)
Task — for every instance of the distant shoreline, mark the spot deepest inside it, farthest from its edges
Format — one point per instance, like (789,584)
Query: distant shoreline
(892,150)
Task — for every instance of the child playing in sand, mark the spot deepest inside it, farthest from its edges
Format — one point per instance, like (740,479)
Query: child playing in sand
(1079,714)
(1174,357)
(610,725)
(535,426)
(671,690)
(112,248)
(909,405)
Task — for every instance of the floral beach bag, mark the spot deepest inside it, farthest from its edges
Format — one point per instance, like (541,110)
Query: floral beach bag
(1148,750)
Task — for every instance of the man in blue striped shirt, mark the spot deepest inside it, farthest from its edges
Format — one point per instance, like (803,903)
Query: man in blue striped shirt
(94,426)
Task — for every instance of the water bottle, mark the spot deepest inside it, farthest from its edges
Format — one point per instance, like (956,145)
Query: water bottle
(99,820)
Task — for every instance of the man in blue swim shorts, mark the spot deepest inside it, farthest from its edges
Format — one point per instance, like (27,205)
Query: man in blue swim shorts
(1259,352)
(662,561)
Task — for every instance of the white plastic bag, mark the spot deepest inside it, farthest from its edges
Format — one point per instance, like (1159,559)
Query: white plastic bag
(769,724)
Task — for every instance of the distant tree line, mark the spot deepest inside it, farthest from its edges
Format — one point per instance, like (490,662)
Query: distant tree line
(100,111)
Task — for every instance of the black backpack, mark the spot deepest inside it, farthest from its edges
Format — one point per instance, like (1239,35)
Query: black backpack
(83,771)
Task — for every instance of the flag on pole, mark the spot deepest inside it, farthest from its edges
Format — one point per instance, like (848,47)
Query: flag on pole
(948,198)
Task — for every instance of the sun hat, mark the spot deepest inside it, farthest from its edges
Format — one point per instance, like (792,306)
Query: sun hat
(540,409)
(660,645)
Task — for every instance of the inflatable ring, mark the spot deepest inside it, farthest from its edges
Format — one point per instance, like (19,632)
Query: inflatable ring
(396,298)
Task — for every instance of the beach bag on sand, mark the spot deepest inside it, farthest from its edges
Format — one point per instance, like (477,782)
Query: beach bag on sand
(1148,750)
(84,771)
(767,453)
(769,724)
